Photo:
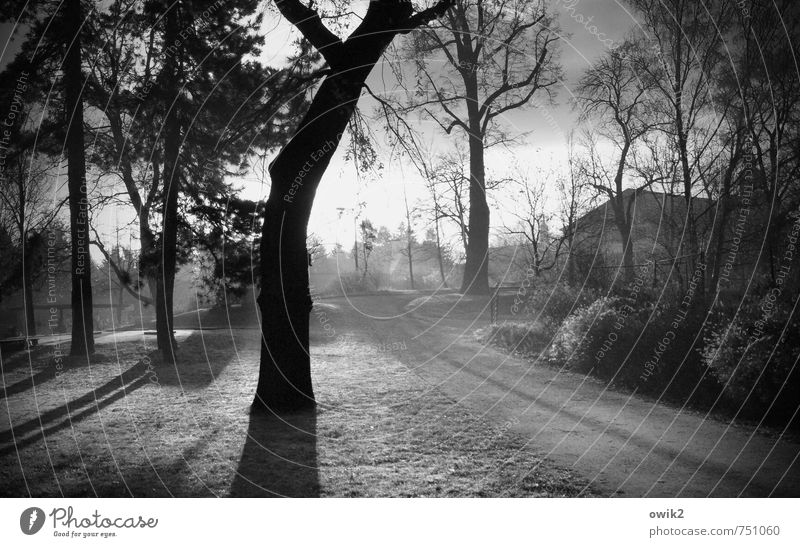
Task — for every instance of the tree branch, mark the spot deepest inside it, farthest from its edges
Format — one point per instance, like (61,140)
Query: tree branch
(310,25)
(119,273)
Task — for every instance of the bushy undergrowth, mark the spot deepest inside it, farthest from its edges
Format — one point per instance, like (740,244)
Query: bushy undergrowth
(519,337)
(755,357)
(351,284)
(740,360)
(552,303)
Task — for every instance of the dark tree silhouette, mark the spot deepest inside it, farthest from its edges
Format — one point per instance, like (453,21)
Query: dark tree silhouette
(44,82)
(285,373)
(182,108)
(165,281)
(82,320)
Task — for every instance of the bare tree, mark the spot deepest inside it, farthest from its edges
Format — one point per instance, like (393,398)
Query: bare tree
(444,179)
(573,202)
(316,249)
(529,208)
(612,97)
(481,61)
(449,187)
(686,53)
(30,203)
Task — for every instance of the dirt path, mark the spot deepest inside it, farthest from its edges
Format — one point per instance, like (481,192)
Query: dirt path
(623,444)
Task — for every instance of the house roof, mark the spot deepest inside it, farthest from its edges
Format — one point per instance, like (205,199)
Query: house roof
(648,207)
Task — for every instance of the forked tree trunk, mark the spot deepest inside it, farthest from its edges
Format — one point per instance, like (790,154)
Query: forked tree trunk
(82,342)
(284,381)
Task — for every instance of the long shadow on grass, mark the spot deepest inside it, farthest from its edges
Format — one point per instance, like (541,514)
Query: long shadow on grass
(50,371)
(23,358)
(201,359)
(279,457)
(26,384)
(68,414)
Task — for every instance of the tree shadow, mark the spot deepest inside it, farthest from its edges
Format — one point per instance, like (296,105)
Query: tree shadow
(279,458)
(199,362)
(68,414)
(24,385)
(23,358)
(50,371)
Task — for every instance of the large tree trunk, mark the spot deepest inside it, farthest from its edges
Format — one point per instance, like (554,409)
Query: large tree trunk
(476,269)
(284,381)
(82,321)
(165,283)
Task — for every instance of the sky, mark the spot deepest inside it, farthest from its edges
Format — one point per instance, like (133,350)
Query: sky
(588,28)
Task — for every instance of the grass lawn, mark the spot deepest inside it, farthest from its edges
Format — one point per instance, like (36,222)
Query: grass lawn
(126,425)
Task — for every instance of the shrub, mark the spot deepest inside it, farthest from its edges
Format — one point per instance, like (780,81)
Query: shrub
(554,303)
(585,333)
(632,343)
(754,355)
(523,338)
(744,357)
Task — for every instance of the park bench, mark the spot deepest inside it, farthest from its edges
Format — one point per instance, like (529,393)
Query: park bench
(16,343)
